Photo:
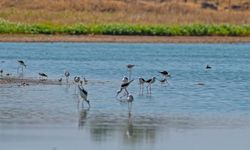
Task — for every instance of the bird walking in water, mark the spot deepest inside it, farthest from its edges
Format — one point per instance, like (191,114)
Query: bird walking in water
(150,82)
(130,67)
(21,65)
(43,76)
(141,83)
(66,74)
(83,95)
(130,99)
(77,81)
(124,87)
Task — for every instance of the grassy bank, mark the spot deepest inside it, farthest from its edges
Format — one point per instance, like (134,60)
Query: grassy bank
(126,29)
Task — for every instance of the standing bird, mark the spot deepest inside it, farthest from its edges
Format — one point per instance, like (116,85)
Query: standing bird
(130,99)
(208,67)
(66,74)
(77,81)
(141,83)
(164,73)
(124,87)
(150,82)
(43,76)
(83,95)
(130,66)
(21,65)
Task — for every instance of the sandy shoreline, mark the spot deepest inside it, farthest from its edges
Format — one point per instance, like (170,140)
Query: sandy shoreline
(122,39)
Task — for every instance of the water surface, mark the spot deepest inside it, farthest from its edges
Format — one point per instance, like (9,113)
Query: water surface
(178,115)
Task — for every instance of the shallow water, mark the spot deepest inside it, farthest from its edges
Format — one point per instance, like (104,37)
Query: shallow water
(213,115)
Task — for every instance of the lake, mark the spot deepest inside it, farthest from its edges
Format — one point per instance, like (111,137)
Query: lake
(198,108)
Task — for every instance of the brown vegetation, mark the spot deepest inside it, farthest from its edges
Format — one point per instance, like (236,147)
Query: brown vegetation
(125,11)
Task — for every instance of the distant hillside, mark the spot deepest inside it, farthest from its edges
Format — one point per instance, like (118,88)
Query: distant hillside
(126,11)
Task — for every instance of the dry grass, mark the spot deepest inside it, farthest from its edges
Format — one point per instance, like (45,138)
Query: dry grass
(121,11)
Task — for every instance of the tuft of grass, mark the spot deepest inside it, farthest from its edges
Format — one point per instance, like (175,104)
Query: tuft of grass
(7,27)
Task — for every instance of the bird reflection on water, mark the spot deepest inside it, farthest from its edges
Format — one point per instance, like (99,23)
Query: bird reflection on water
(83,113)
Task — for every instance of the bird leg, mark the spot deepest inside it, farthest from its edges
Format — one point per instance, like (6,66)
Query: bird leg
(126,91)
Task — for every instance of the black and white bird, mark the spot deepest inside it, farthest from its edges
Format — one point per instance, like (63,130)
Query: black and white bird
(130,99)
(208,67)
(124,87)
(150,82)
(83,95)
(43,76)
(21,65)
(164,73)
(77,81)
(130,67)
(141,83)
(66,74)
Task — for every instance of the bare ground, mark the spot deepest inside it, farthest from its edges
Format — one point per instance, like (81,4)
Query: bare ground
(122,39)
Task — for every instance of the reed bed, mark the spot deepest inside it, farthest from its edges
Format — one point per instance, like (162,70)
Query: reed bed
(7,27)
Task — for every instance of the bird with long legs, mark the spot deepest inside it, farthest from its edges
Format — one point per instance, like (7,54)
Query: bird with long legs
(77,81)
(150,82)
(83,95)
(21,66)
(141,83)
(43,76)
(130,67)
(130,99)
(124,87)
(66,74)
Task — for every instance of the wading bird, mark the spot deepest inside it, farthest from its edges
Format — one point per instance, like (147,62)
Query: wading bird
(141,83)
(164,73)
(124,87)
(130,99)
(208,67)
(77,81)
(150,82)
(43,76)
(66,74)
(83,95)
(21,65)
